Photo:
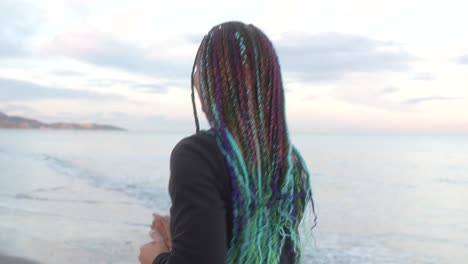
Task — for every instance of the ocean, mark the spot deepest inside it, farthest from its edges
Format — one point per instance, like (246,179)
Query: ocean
(379,199)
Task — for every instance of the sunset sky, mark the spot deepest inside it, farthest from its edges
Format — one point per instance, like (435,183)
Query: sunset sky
(348,66)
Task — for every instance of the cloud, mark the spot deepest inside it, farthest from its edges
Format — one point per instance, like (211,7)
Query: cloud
(150,88)
(102,82)
(17,90)
(309,57)
(195,39)
(331,56)
(141,87)
(18,22)
(418,100)
(462,59)
(424,76)
(311,97)
(15,107)
(102,49)
(67,73)
(388,90)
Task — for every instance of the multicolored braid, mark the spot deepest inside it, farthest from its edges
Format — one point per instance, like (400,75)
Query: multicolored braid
(243,98)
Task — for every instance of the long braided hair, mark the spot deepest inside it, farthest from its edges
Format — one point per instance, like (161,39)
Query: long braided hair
(242,95)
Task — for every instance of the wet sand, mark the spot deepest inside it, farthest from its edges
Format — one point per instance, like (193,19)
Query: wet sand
(72,224)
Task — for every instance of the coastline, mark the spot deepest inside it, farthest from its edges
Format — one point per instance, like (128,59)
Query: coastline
(15,260)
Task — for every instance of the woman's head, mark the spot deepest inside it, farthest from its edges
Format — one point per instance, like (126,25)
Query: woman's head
(238,79)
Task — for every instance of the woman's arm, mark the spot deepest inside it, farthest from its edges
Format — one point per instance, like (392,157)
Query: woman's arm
(198,212)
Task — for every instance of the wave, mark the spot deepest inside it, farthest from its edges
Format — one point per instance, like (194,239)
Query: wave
(34,211)
(343,248)
(67,168)
(147,192)
(451,181)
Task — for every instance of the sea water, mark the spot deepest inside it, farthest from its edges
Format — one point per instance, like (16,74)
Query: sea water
(379,199)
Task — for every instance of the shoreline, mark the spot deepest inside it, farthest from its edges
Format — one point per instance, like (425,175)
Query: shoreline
(15,260)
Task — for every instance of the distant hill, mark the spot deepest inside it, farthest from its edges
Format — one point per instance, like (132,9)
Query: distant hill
(26,123)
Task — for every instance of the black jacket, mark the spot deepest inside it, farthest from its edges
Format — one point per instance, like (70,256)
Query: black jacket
(201,216)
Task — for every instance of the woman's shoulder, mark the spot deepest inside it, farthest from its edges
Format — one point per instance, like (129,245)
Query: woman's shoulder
(198,154)
(200,147)
(202,140)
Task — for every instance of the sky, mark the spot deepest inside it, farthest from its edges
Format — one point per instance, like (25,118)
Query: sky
(361,66)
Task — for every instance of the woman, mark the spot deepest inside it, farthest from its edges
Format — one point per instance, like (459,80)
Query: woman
(240,189)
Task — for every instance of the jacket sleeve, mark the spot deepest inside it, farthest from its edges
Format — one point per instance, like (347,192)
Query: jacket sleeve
(198,212)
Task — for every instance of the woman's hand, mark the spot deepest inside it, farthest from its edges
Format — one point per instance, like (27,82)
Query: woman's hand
(150,251)
(161,224)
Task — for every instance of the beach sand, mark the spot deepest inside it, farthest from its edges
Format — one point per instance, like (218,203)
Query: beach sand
(76,223)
